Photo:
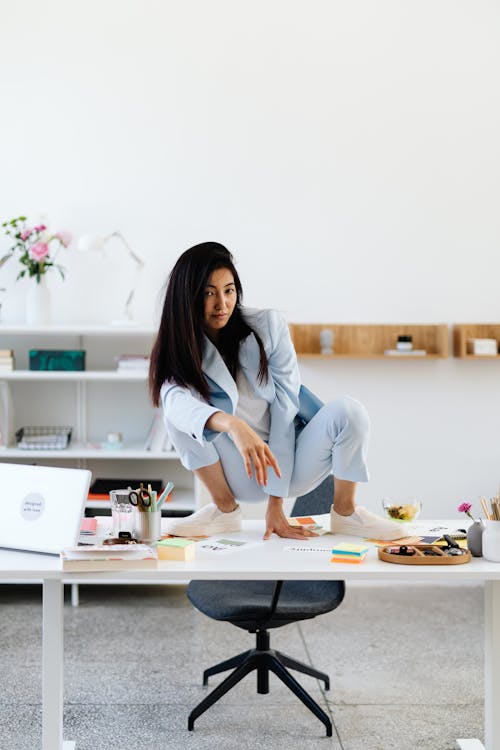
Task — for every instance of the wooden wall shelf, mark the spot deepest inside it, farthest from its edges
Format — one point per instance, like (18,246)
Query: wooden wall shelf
(369,341)
(464,331)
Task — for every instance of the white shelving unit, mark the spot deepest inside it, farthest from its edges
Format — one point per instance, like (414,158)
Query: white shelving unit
(93,402)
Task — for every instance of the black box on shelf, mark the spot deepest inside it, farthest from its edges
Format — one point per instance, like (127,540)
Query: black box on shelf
(57,359)
(100,488)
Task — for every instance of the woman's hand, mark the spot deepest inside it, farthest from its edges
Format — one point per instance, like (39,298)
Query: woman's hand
(276,523)
(256,454)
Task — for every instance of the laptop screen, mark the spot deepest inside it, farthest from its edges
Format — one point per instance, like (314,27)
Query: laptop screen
(41,507)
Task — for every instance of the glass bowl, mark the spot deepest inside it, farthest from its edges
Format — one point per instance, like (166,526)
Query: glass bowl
(404,511)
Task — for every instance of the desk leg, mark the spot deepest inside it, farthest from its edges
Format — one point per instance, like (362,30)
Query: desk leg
(52,667)
(491,664)
(491,671)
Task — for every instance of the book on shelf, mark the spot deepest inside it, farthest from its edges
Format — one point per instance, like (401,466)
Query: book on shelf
(103,557)
(6,360)
(132,363)
(157,439)
(6,416)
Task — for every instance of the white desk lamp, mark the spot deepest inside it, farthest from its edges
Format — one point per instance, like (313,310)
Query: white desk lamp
(92,243)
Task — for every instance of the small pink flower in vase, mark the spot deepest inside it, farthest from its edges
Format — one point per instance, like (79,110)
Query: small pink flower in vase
(465,508)
(39,251)
(24,235)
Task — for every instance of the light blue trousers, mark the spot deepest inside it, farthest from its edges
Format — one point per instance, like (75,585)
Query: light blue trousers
(335,441)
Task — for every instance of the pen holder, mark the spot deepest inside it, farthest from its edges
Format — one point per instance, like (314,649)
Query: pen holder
(491,541)
(148,526)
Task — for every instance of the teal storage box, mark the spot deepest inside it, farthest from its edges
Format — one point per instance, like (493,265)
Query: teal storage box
(57,359)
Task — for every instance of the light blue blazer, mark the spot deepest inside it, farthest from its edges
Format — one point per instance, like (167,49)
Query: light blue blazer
(291,405)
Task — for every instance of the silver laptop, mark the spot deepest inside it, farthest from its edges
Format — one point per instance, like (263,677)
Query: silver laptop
(41,508)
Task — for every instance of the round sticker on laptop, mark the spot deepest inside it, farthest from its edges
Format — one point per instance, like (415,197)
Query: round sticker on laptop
(32,506)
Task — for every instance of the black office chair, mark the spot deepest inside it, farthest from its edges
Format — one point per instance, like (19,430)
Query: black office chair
(257,606)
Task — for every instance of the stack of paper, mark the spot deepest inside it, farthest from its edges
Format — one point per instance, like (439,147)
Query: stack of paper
(107,557)
(349,553)
(132,363)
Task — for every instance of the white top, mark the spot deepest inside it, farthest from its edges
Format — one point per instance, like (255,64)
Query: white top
(274,559)
(253,409)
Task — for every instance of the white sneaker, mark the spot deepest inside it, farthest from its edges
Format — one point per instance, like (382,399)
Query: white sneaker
(205,522)
(366,524)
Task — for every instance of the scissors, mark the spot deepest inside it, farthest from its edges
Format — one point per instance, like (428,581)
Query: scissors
(141,498)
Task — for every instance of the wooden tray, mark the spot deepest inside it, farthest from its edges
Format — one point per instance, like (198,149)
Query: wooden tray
(420,559)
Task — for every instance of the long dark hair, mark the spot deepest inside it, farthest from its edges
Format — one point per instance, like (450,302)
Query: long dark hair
(178,350)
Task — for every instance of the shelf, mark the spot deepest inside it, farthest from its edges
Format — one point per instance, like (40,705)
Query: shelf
(464,331)
(79,451)
(300,355)
(93,402)
(82,329)
(182,500)
(73,375)
(369,341)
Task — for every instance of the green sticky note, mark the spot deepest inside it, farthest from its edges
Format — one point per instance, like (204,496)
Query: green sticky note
(175,543)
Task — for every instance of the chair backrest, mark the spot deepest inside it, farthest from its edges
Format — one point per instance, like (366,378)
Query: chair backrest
(316,502)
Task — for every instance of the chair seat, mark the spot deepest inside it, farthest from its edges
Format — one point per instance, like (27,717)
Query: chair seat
(246,604)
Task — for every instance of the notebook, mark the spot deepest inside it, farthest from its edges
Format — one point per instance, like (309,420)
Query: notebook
(41,507)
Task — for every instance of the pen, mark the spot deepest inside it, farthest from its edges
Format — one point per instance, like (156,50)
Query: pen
(166,492)
(485,508)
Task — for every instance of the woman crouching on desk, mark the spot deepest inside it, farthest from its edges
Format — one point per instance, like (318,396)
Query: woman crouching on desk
(228,380)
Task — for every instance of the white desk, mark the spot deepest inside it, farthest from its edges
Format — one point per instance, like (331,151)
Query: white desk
(268,561)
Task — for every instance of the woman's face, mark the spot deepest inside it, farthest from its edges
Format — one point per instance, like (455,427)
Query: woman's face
(220,300)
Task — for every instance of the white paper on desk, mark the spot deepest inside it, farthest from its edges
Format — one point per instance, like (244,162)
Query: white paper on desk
(299,548)
(225,545)
(437,529)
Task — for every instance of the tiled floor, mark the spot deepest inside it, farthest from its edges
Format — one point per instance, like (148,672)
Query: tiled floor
(405,662)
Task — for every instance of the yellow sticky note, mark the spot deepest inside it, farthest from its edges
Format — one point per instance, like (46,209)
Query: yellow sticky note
(176,549)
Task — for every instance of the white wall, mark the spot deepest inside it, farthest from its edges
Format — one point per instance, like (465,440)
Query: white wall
(346,151)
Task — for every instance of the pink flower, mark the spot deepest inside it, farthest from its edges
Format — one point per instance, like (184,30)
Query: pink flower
(26,234)
(39,251)
(40,228)
(64,237)
(465,508)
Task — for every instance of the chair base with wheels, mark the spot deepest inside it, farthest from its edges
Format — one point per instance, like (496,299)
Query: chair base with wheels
(258,606)
(263,659)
